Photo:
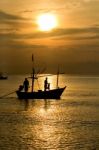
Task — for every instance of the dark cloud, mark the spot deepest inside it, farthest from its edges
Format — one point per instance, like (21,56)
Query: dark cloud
(73,31)
(16,23)
(10,24)
(66,32)
(8,17)
(44,10)
(8,30)
(57,34)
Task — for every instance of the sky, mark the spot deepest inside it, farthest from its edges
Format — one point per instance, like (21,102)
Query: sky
(73,44)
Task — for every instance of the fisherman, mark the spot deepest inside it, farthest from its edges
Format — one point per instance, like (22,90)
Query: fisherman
(26,84)
(21,88)
(45,84)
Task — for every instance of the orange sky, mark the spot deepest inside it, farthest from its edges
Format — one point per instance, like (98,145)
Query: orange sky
(74,43)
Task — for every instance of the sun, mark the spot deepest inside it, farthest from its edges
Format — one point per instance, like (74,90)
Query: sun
(46,22)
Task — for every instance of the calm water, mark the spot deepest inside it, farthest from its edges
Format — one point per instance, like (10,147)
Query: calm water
(71,123)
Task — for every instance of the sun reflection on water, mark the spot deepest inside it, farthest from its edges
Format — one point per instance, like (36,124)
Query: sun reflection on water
(45,125)
(71,123)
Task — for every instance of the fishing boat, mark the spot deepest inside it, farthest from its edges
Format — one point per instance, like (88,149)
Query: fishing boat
(3,77)
(47,93)
(51,94)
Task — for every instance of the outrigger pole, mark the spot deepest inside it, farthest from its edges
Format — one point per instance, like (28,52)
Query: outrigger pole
(7,94)
(33,73)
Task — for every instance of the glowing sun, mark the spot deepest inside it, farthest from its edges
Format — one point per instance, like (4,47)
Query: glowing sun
(47,22)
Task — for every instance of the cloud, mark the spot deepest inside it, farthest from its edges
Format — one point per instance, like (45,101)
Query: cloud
(12,23)
(4,17)
(17,23)
(44,10)
(9,21)
(66,5)
(87,33)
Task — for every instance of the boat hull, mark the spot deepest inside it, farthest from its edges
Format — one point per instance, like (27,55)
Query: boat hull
(3,78)
(51,94)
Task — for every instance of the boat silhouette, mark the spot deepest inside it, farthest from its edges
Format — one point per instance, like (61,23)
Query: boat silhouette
(3,76)
(47,93)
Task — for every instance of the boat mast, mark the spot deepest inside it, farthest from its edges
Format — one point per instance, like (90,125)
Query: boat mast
(33,73)
(57,78)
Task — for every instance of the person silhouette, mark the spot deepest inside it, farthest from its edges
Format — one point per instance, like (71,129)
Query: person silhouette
(26,84)
(45,84)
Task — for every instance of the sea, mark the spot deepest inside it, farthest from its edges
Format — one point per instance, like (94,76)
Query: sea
(71,123)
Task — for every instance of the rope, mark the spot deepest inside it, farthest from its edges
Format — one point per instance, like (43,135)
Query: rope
(8,94)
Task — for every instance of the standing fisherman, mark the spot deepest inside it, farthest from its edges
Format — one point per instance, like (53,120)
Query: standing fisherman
(26,84)
(45,84)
